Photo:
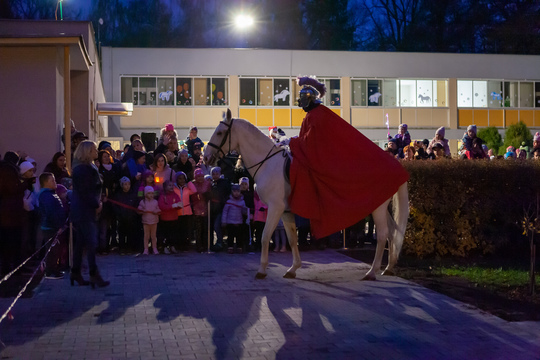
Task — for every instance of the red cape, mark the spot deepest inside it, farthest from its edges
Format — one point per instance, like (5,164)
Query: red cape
(338,176)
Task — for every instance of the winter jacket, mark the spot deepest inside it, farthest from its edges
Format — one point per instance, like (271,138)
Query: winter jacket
(86,193)
(166,201)
(149,207)
(53,213)
(199,199)
(221,190)
(161,176)
(184,194)
(234,211)
(127,198)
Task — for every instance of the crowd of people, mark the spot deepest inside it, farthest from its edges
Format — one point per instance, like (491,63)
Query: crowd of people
(401,147)
(158,202)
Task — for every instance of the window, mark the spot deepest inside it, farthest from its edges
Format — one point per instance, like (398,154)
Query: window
(165,91)
(359,88)
(282,92)
(183,91)
(526,98)
(391,92)
(264,92)
(128,89)
(465,89)
(480,94)
(408,93)
(374,92)
(424,93)
(247,92)
(510,94)
(537,94)
(333,92)
(440,93)
(495,93)
(220,91)
(147,91)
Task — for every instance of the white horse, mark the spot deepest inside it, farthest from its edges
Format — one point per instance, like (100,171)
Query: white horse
(265,162)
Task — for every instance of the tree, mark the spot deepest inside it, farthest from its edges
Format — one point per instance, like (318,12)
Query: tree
(516,135)
(330,25)
(491,138)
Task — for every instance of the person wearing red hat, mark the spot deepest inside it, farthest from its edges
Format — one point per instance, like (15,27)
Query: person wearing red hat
(334,200)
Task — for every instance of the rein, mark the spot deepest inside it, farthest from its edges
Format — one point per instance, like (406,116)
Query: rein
(228,135)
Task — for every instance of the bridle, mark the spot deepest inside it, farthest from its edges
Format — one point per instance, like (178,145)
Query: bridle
(228,136)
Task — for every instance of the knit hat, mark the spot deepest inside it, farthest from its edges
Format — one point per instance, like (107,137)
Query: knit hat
(138,154)
(197,172)
(30,160)
(440,131)
(169,127)
(472,127)
(148,189)
(124,180)
(181,173)
(536,136)
(509,154)
(510,149)
(235,187)
(244,180)
(103,145)
(25,166)
(403,126)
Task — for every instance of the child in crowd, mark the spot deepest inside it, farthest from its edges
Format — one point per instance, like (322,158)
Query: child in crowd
(53,217)
(184,190)
(169,202)
(259,220)
(200,209)
(129,222)
(149,208)
(147,179)
(280,237)
(468,137)
(233,217)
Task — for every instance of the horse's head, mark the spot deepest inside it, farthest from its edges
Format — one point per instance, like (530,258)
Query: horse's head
(221,142)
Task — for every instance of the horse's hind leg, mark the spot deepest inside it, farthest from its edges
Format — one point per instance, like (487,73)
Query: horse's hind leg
(290,229)
(380,218)
(271,222)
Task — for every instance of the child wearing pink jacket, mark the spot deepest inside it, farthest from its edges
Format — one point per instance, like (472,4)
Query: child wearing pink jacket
(150,211)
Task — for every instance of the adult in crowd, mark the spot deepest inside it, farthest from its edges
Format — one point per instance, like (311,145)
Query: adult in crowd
(439,137)
(11,212)
(221,190)
(192,140)
(110,176)
(85,208)
(57,167)
(162,171)
(184,165)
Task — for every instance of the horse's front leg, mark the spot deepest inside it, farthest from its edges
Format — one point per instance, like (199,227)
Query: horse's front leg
(290,229)
(271,222)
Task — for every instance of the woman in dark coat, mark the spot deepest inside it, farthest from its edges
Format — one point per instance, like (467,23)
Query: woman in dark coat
(58,167)
(85,207)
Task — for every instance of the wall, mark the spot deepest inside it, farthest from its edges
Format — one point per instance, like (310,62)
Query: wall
(31,113)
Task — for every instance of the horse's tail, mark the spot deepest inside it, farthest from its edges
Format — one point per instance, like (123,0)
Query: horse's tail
(401,216)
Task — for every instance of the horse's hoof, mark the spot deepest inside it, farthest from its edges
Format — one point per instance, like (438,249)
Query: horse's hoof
(388,273)
(369,277)
(259,276)
(289,275)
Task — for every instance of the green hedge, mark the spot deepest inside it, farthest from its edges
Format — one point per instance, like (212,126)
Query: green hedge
(464,207)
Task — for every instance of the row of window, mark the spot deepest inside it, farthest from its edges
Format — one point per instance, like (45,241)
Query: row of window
(213,91)
(497,94)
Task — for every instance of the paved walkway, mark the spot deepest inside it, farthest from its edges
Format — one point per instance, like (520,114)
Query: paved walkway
(209,306)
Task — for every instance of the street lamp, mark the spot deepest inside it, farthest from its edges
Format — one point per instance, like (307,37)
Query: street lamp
(243,21)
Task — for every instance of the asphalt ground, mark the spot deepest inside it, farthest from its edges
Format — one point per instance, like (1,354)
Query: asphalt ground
(209,306)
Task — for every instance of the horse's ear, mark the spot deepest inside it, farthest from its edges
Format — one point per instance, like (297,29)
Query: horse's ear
(229,115)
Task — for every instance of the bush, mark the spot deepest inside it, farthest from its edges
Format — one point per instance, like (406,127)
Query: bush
(491,138)
(515,135)
(461,208)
